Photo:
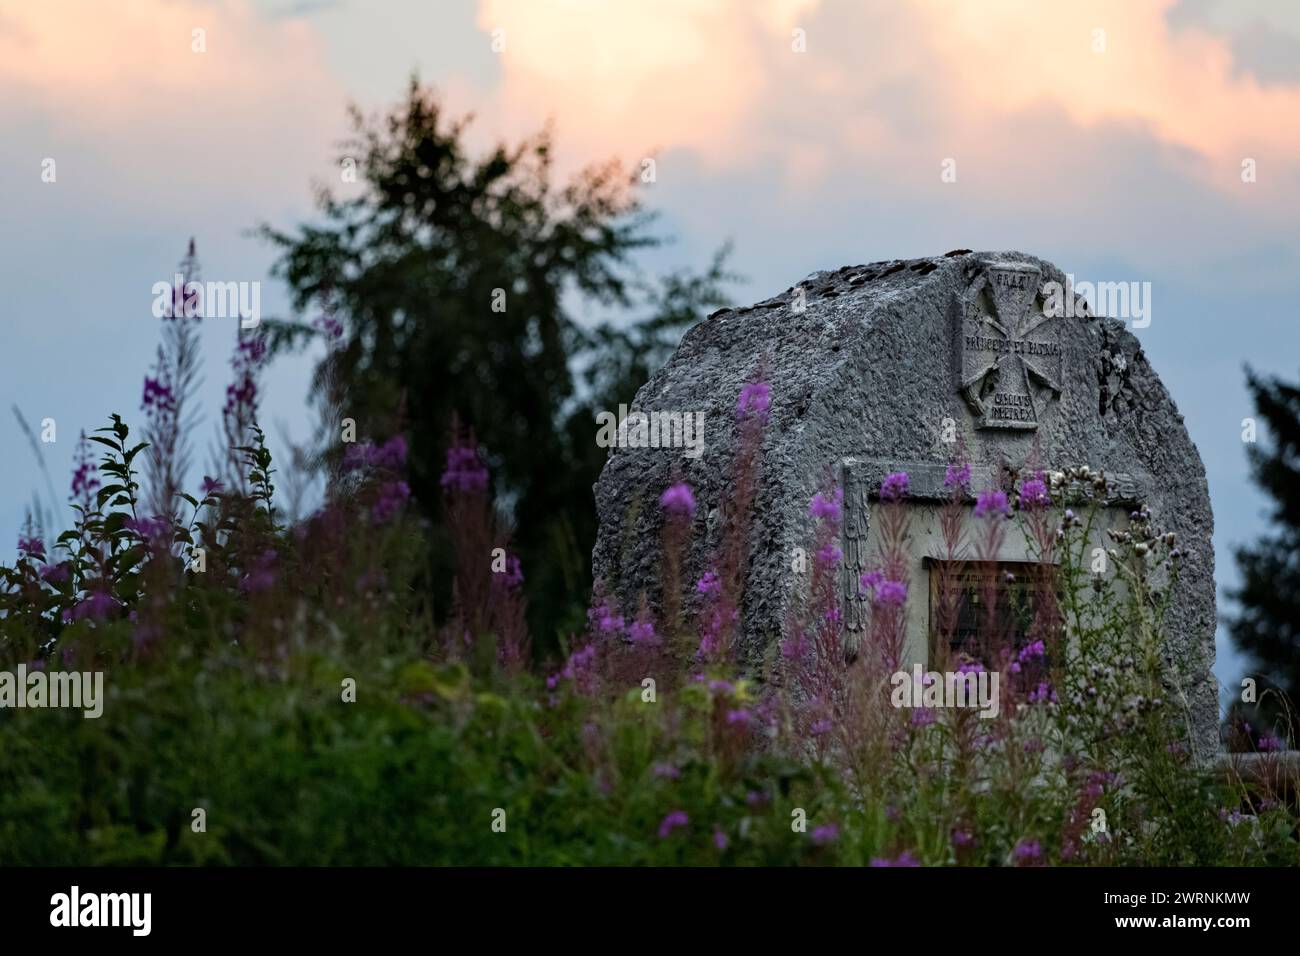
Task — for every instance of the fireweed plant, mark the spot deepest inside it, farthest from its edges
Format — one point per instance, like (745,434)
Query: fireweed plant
(291,680)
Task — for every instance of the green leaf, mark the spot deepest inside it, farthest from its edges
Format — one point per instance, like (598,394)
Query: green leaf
(136,450)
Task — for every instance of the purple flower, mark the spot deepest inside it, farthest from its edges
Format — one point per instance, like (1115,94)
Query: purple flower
(962,838)
(55,573)
(210,486)
(755,400)
(796,647)
(922,717)
(738,716)
(709,584)
(671,822)
(1271,742)
(252,349)
(261,576)
(514,572)
(719,839)
(512,576)
(894,486)
(1031,651)
(241,394)
(1028,851)
(665,771)
(825,834)
(577,666)
(903,859)
(84,482)
(957,476)
(356,457)
(31,546)
(392,496)
(828,509)
(465,471)
(711,636)
(1042,693)
(1033,493)
(820,727)
(149,529)
(158,395)
(643,633)
(603,620)
(990,504)
(829,554)
(391,455)
(96,605)
(678,501)
(329,326)
(883,591)
(892,593)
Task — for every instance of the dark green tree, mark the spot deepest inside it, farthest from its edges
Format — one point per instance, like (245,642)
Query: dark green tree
(1268,624)
(456,279)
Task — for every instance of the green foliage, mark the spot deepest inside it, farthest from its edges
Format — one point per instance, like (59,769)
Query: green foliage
(408,774)
(589,767)
(1268,624)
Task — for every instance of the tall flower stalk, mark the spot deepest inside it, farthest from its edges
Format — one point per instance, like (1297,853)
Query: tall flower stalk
(723,605)
(239,414)
(488,609)
(168,392)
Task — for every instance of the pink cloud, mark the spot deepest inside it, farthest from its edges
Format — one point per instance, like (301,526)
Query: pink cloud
(119,91)
(719,78)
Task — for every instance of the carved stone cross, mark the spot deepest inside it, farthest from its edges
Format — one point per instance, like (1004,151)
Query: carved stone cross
(1010,355)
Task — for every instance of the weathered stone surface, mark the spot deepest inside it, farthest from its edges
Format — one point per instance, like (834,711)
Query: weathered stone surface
(868,371)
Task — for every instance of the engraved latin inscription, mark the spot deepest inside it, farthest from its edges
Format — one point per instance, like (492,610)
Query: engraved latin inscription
(1010,356)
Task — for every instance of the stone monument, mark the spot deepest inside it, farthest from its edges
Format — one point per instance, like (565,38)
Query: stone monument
(879,368)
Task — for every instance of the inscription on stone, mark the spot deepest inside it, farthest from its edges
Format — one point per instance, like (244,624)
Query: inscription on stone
(1009,353)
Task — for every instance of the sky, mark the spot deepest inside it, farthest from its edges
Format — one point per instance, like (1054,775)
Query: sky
(1108,137)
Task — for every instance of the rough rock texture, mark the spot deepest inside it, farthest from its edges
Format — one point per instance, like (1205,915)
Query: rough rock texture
(866,363)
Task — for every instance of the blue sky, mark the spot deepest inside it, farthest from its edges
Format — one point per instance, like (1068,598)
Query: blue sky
(1119,163)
